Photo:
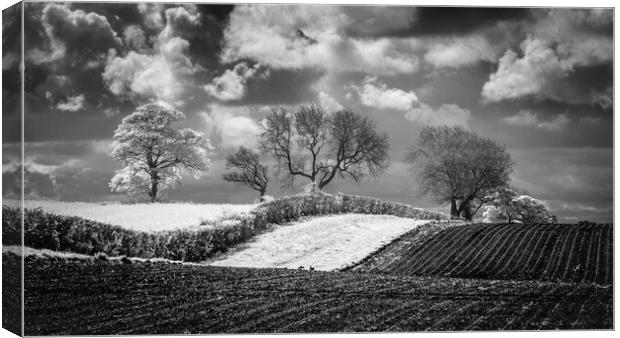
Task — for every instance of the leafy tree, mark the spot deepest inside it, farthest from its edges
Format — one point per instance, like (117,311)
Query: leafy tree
(531,210)
(154,152)
(250,172)
(503,199)
(513,206)
(458,166)
(313,144)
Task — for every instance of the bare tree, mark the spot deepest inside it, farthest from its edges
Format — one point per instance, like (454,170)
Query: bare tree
(250,172)
(458,166)
(313,144)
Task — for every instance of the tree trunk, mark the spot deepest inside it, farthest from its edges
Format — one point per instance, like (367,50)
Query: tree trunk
(466,210)
(154,184)
(454,212)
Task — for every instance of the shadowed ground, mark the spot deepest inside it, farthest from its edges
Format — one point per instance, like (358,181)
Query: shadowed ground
(81,295)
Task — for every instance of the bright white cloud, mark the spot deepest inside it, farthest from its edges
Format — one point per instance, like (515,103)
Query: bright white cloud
(230,86)
(73,103)
(557,43)
(239,131)
(165,73)
(526,118)
(152,15)
(459,52)
(374,93)
(530,75)
(296,37)
(164,76)
(446,114)
(232,126)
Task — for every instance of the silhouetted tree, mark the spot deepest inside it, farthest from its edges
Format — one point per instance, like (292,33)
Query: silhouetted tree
(250,172)
(319,146)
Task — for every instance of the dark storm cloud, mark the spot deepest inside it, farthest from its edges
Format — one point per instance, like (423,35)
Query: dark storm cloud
(462,20)
(11,54)
(65,50)
(82,34)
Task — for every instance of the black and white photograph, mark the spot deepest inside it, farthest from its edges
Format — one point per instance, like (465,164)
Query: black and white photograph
(247,168)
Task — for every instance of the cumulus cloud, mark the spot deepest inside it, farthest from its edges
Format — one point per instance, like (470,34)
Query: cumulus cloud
(72,104)
(459,52)
(530,75)
(159,76)
(230,86)
(295,37)
(134,37)
(232,126)
(446,114)
(152,15)
(164,73)
(560,41)
(181,22)
(576,34)
(527,118)
(374,93)
(74,32)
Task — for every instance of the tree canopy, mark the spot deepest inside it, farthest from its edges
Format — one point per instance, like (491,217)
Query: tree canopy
(318,146)
(154,152)
(458,166)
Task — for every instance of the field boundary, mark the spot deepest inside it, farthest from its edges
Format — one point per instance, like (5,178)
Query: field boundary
(438,225)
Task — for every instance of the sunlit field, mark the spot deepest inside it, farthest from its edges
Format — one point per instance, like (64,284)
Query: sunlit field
(144,217)
(324,243)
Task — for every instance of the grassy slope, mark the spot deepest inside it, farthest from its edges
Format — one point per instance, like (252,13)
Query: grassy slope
(109,297)
(140,217)
(324,243)
(573,253)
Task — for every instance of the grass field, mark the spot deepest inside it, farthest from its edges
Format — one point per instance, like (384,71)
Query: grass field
(324,243)
(572,253)
(141,217)
(79,296)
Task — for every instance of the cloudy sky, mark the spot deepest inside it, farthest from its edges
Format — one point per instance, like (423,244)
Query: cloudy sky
(538,81)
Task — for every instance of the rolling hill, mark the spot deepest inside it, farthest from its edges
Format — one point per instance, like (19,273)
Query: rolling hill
(564,252)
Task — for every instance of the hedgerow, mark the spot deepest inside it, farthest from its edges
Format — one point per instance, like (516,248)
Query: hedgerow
(74,234)
(44,230)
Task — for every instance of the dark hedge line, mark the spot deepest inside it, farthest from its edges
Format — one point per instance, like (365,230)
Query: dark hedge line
(74,234)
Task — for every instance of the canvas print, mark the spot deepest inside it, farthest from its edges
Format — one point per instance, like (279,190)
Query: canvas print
(174,168)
